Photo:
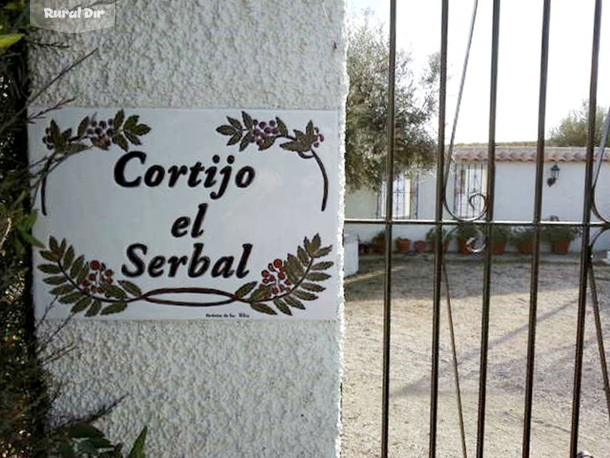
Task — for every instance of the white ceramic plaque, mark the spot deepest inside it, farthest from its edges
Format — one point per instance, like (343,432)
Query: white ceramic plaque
(186,214)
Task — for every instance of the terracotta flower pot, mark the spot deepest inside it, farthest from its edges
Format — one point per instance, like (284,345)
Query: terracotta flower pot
(526,248)
(498,248)
(403,245)
(560,247)
(420,246)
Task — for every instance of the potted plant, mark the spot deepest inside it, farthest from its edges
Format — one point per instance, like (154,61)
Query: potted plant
(523,239)
(403,245)
(499,238)
(465,232)
(446,238)
(559,237)
(378,243)
(420,246)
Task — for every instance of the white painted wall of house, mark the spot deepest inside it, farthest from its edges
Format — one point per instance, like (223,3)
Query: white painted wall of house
(514,199)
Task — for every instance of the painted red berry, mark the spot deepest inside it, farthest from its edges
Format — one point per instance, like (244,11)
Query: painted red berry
(274,290)
(282,276)
(321,137)
(277,263)
(265,273)
(262,125)
(92,277)
(95,265)
(109,273)
(316,144)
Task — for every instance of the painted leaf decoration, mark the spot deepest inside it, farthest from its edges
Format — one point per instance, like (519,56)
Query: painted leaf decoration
(117,307)
(118,119)
(297,304)
(49,268)
(130,287)
(304,295)
(263,308)
(81,304)
(245,289)
(234,122)
(225,130)
(282,307)
(94,309)
(247,120)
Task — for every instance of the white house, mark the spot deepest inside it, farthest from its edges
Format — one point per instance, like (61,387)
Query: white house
(415,195)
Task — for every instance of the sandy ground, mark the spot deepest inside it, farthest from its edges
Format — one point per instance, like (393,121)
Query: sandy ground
(411,360)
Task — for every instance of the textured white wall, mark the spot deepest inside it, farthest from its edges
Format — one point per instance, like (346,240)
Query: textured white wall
(208,388)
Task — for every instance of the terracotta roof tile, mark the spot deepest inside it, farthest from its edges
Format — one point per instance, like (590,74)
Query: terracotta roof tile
(522,154)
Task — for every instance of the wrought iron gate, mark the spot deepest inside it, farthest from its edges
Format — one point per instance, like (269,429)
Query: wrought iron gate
(485,222)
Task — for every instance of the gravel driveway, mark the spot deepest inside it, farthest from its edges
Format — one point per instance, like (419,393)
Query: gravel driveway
(411,356)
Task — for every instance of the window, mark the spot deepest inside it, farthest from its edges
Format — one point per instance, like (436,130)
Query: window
(470,185)
(404,204)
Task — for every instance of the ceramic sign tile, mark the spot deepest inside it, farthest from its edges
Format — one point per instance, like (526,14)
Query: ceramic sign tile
(186,214)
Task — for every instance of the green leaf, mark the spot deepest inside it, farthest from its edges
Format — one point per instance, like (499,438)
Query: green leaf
(266,144)
(53,244)
(83,431)
(297,304)
(247,120)
(323,251)
(322,265)
(260,293)
(119,117)
(312,287)
(115,291)
(68,257)
(226,130)
(141,129)
(263,308)
(137,451)
(9,39)
(77,266)
(234,139)
(245,142)
(304,295)
(55,280)
(121,141)
(62,247)
(315,243)
(75,148)
(134,140)
(55,133)
(100,443)
(282,307)
(131,122)
(310,131)
(71,298)
(317,276)
(82,304)
(293,264)
(281,127)
(296,146)
(49,256)
(245,289)
(94,309)
(49,268)
(83,274)
(61,290)
(65,450)
(303,256)
(234,122)
(131,288)
(117,307)
(82,127)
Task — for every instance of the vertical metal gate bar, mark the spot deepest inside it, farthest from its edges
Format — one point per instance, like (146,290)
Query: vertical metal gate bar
(438,257)
(387,287)
(533,312)
(585,250)
(491,159)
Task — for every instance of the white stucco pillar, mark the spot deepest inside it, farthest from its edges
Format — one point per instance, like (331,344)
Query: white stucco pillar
(207,388)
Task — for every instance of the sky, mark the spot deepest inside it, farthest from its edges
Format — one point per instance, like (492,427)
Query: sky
(571,35)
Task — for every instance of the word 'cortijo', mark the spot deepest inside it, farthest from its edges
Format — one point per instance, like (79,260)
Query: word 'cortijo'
(128,173)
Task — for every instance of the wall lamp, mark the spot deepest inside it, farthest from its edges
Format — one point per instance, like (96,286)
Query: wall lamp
(554,175)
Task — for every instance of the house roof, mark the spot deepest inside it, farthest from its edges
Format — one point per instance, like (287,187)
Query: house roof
(478,153)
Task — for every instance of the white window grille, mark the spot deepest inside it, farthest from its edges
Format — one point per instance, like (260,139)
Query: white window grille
(404,204)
